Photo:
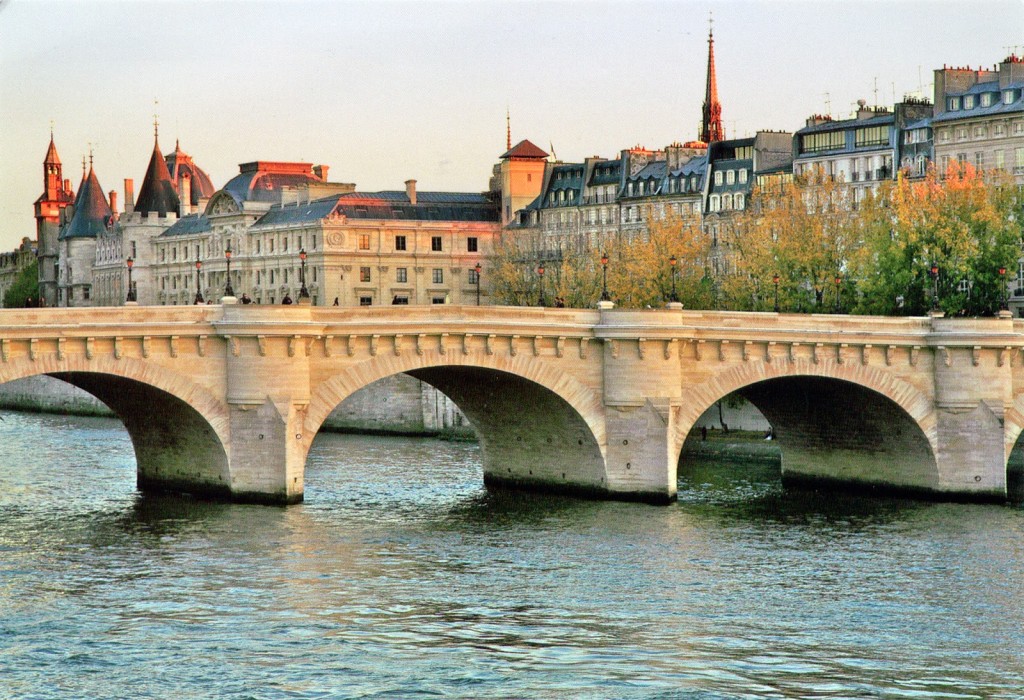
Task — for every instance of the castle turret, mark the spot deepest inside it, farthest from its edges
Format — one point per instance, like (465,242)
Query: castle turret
(55,198)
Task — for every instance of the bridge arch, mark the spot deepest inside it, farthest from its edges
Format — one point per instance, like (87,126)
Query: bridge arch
(833,422)
(178,429)
(534,421)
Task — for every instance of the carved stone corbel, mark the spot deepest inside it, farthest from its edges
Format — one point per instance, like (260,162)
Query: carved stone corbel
(536,345)
(261,341)
(172,345)
(350,347)
(374,340)
(5,349)
(583,347)
(839,352)
(746,350)
(889,350)
(669,346)
(236,346)
(1005,356)
(328,341)
(32,345)
(865,354)
(60,348)
(721,350)
(398,344)
(145,346)
(698,350)
(560,346)
(976,355)
(816,352)
(490,344)
(420,340)
(513,345)
(88,348)
(914,351)
(465,343)
(613,346)
(201,345)
(640,347)
(768,351)
(118,347)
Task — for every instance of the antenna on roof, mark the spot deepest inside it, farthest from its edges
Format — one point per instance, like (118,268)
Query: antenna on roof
(876,90)
(90,155)
(156,119)
(51,130)
(828,103)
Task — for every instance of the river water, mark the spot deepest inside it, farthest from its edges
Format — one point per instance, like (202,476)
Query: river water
(402,577)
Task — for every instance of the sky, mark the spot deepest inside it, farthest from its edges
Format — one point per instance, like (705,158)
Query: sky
(387,91)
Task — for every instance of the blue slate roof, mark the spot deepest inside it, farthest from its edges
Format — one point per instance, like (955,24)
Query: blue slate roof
(979,111)
(879,120)
(430,206)
(656,170)
(188,225)
(92,212)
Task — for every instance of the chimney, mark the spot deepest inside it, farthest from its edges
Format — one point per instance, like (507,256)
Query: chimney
(184,194)
(129,195)
(410,190)
(67,185)
(321,171)
(113,202)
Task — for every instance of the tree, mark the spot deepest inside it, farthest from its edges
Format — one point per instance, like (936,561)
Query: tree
(24,288)
(961,225)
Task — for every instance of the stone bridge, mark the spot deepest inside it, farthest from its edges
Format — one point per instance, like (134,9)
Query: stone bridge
(226,400)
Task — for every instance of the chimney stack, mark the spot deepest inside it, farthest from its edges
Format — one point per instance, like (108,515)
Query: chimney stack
(113,202)
(129,195)
(410,190)
(184,194)
(321,171)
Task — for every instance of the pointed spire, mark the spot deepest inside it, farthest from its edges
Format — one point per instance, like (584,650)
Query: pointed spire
(92,211)
(51,153)
(157,195)
(711,127)
(508,130)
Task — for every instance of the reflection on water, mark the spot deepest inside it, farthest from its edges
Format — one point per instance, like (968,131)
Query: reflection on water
(401,576)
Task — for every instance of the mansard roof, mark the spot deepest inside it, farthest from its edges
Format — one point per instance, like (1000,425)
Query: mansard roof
(998,107)
(188,225)
(179,163)
(92,212)
(655,169)
(260,181)
(157,194)
(695,166)
(878,120)
(430,206)
(524,149)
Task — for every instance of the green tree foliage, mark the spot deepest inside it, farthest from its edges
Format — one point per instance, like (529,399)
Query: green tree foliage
(25,287)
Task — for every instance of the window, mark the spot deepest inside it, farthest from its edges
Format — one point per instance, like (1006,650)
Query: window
(435,243)
(364,241)
(257,246)
(986,99)
(471,243)
(714,203)
(730,177)
(1000,158)
(284,243)
(402,274)
(85,292)
(727,202)
(364,274)
(743,175)
(1019,153)
(363,301)
(400,300)
(739,201)
(437,300)
(954,103)
(271,276)
(828,141)
(969,102)
(474,276)
(872,136)
(718,177)
(399,242)
(979,160)
(437,276)
(979,131)
(1007,97)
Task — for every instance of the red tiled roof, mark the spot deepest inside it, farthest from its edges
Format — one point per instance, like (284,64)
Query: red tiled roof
(524,149)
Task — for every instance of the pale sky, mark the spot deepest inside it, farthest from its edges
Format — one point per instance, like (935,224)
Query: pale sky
(387,91)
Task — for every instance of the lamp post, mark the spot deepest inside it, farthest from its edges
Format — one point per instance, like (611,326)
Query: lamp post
(199,293)
(477,269)
(1003,304)
(130,262)
(605,296)
(303,292)
(775,281)
(934,272)
(839,293)
(540,271)
(228,291)
(673,261)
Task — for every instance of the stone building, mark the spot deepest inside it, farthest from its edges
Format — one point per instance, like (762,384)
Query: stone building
(13,263)
(979,117)
(89,216)
(56,196)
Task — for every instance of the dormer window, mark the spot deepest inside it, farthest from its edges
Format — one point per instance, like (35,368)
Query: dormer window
(954,103)
(718,177)
(969,102)
(986,99)
(730,177)
(1007,97)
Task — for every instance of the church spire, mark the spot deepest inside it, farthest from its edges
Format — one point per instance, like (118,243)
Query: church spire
(508,130)
(711,125)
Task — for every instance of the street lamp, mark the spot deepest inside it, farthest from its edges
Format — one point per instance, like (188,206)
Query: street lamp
(839,293)
(775,281)
(540,271)
(605,296)
(1003,305)
(228,291)
(199,293)
(672,261)
(477,269)
(934,272)
(130,262)
(303,292)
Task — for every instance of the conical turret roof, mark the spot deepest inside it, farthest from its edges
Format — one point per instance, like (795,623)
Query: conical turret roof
(157,194)
(51,154)
(179,163)
(92,212)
